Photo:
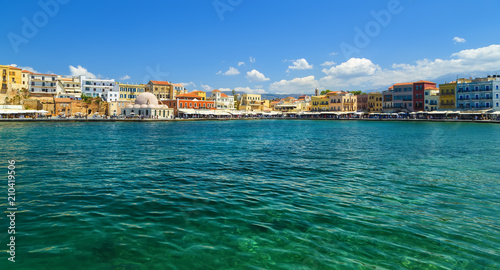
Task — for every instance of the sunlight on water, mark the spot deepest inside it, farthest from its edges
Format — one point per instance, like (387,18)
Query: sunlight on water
(254,195)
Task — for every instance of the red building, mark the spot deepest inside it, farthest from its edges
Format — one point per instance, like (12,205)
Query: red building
(418,94)
(189,101)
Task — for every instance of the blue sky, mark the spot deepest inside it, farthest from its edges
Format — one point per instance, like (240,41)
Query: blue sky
(255,46)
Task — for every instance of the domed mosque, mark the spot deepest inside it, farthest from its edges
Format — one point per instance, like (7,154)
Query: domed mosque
(147,106)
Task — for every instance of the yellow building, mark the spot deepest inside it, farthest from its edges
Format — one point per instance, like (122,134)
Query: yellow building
(162,90)
(128,92)
(179,89)
(319,103)
(203,95)
(447,95)
(251,102)
(375,102)
(341,102)
(11,79)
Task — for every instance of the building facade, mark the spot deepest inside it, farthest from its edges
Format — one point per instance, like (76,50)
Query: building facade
(362,102)
(403,96)
(161,89)
(319,104)
(129,92)
(107,90)
(188,101)
(375,102)
(250,102)
(222,101)
(479,94)
(431,99)
(43,85)
(69,87)
(418,94)
(387,100)
(147,106)
(447,95)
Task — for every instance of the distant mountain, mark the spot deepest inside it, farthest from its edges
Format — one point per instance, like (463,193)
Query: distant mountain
(267,95)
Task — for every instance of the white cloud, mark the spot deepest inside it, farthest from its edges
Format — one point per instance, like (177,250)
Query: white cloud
(353,67)
(241,64)
(219,72)
(300,64)
(459,40)
(333,53)
(295,86)
(256,76)
(328,64)
(80,71)
(249,90)
(25,68)
(231,72)
(188,84)
(126,77)
(252,59)
(362,73)
(206,88)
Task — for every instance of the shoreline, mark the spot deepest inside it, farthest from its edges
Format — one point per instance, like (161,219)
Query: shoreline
(4,120)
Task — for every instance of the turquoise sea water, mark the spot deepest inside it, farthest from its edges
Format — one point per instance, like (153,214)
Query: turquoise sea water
(271,194)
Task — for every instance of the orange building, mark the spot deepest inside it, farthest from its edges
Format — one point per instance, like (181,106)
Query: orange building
(189,101)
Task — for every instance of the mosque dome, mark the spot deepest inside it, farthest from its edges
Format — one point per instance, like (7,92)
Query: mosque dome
(146,99)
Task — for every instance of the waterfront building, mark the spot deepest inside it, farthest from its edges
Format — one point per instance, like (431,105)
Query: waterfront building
(418,94)
(189,102)
(402,96)
(69,87)
(147,105)
(11,82)
(203,95)
(251,102)
(107,90)
(43,85)
(375,102)
(162,90)
(387,100)
(117,107)
(291,104)
(178,89)
(129,92)
(447,95)
(362,102)
(63,106)
(222,101)
(431,99)
(339,101)
(479,94)
(319,103)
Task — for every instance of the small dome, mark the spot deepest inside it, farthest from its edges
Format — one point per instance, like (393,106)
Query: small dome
(137,106)
(144,106)
(130,106)
(146,99)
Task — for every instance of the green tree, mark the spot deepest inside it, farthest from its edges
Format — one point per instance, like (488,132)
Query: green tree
(359,92)
(324,92)
(233,92)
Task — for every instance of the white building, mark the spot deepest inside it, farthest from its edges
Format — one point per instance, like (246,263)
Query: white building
(43,85)
(222,101)
(431,99)
(69,88)
(147,106)
(107,90)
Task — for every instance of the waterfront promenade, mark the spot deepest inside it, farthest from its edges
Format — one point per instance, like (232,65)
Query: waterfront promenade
(495,121)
